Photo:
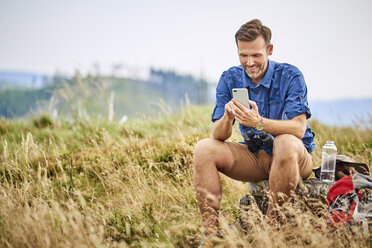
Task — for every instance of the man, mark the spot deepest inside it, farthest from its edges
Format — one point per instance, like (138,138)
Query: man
(278,97)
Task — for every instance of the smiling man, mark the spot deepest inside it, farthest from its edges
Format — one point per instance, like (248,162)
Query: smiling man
(278,97)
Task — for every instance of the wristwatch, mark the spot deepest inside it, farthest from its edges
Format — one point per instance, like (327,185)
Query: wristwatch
(260,126)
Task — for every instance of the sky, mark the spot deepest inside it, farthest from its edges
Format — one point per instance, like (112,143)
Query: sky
(328,40)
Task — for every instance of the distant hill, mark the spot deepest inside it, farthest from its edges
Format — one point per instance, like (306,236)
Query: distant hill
(163,90)
(10,79)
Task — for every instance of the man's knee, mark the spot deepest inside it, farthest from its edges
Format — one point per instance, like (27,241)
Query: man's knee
(287,146)
(204,147)
(212,151)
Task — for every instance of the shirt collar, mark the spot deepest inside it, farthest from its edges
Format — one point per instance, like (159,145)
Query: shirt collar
(265,81)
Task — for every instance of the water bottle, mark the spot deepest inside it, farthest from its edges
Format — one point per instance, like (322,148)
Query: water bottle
(327,171)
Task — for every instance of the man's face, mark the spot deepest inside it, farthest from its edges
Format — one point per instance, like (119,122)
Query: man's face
(253,56)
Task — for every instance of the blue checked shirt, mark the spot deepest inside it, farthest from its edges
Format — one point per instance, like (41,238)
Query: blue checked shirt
(281,95)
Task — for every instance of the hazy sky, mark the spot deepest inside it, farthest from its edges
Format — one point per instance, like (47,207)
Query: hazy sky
(330,41)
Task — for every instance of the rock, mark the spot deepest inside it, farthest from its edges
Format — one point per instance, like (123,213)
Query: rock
(312,191)
(310,195)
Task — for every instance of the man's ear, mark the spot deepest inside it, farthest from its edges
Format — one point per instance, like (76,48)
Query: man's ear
(270,49)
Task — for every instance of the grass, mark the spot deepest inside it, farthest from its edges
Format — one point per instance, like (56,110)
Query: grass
(98,184)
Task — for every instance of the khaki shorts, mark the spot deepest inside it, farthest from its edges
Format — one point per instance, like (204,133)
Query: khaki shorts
(248,166)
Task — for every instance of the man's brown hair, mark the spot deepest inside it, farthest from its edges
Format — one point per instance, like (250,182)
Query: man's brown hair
(251,30)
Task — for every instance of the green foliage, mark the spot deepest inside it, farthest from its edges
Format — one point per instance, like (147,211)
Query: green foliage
(19,102)
(43,121)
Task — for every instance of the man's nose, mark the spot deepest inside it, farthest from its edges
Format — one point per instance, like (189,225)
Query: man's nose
(250,61)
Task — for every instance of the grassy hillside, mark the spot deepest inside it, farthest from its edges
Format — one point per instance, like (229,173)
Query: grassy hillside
(98,184)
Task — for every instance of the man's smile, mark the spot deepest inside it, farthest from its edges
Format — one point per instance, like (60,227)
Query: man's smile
(252,68)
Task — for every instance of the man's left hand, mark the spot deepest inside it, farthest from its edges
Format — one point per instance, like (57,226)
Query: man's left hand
(245,116)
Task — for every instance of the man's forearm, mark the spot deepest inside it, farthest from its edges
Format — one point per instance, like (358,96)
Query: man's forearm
(295,126)
(222,128)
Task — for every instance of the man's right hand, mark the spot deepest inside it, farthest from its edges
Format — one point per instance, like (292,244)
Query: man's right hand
(222,128)
(229,110)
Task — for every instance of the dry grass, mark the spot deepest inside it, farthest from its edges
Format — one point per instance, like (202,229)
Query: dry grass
(98,184)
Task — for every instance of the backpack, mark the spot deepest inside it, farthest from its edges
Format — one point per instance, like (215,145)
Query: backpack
(344,201)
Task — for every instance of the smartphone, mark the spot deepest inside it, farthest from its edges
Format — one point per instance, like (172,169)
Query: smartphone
(241,94)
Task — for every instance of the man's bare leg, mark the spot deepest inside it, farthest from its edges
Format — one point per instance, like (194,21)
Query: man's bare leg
(284,172)
(210,157)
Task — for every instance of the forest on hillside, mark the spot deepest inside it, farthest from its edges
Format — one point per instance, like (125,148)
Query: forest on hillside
(92,93)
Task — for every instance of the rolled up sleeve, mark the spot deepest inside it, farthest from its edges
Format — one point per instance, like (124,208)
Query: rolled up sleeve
(296,101)
(223,96)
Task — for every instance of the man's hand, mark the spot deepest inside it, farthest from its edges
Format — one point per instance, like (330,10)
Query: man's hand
(229,110)
(245,116)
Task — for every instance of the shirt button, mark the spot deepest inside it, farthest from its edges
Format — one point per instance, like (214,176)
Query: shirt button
(256,92)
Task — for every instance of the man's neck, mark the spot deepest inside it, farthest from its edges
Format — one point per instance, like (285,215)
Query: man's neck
(256,80)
